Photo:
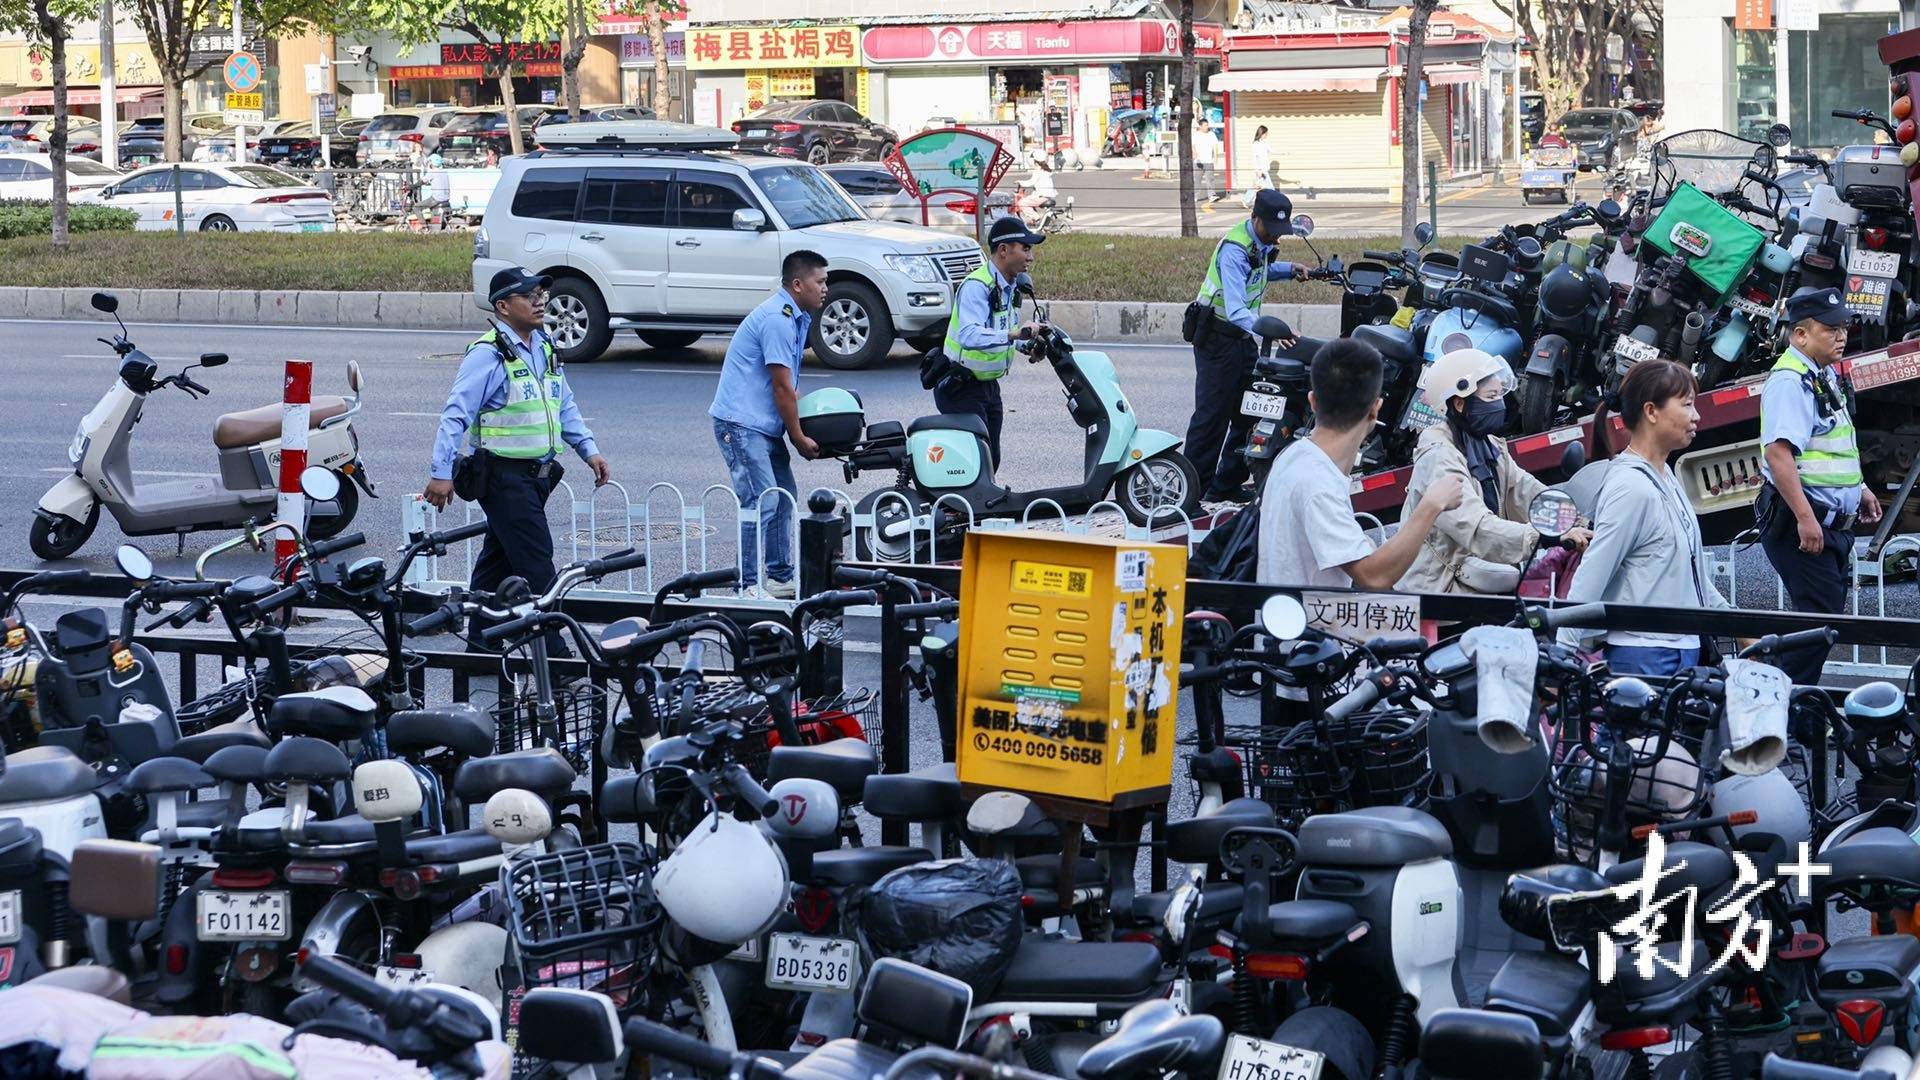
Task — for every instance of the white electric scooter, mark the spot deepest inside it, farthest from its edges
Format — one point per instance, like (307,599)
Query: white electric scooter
(247,490)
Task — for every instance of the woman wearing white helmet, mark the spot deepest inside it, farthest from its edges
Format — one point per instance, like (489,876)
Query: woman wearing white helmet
(1467,388)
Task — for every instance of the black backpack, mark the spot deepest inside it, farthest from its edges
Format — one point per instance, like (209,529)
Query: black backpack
(1231,552)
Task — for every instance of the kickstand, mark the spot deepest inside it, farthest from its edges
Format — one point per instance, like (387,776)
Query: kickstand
(1891,512)
(180,538)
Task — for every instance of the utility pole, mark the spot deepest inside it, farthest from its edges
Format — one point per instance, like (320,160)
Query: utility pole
(109,107)
(239,130)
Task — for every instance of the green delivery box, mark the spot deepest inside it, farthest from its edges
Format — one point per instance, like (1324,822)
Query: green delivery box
(1720,247)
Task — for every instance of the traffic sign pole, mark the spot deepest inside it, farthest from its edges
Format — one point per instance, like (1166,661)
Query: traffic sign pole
(240,130)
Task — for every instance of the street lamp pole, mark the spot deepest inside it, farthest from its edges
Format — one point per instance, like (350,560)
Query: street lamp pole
(109,91)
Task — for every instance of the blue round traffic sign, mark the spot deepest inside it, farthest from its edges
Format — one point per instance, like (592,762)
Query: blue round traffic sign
(242,71)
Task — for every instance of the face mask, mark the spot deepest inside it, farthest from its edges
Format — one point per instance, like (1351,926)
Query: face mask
(1485,417)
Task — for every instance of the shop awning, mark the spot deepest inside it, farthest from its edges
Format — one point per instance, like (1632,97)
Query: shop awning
(43,99)
(1351,79)
(1444,74)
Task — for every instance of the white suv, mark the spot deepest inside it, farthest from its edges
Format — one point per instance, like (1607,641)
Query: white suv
(673,244)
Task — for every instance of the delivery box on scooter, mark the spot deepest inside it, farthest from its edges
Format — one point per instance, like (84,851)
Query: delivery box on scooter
(1070,665)
(1720,245)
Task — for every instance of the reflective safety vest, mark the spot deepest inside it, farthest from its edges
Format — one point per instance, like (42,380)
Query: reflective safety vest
(527,424)
(982,363)
(1213,291)
(1831,460)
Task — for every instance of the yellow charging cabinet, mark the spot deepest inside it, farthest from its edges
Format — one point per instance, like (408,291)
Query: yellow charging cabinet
(1070,666)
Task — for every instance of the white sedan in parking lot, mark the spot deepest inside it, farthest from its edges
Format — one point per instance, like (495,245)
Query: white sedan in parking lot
(30,176)
(221,198)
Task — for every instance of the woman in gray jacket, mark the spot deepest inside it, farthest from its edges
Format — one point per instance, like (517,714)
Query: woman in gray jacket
(1646,541)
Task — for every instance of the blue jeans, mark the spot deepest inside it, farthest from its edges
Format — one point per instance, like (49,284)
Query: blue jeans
(757,463)
(1649,660)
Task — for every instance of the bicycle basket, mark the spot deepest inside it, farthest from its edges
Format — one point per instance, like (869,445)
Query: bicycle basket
(1670,788)
(846,715)
(1379,760)
(584,918)
(580,709)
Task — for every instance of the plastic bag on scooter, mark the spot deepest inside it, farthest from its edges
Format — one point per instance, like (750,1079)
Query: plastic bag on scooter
(1504,659)
(960,917)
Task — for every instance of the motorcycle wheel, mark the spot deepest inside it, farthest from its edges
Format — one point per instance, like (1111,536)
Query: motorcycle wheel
(1536,402)
(349,500)
(56,536)
(1165,479)
(871,544)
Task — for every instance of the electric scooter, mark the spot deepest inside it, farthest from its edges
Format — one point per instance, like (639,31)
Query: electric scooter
(249,445)
(945,474)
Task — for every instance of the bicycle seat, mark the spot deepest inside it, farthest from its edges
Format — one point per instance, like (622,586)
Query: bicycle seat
(929,794)
(168,774)
(1153,1038)
(542,770)
(243,764)
(968,422)
(843,763)
(1462,1043)
(242,732)
(250,426)
(44,774)
(1196,840)
(301,759)
(335,713)
(465,730)
(1871,855)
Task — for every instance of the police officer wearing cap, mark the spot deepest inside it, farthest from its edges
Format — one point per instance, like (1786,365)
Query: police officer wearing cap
(981,334)
(1224,349)
(512,402)
(1814,492)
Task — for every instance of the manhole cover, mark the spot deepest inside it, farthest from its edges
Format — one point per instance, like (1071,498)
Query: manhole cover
(618,536)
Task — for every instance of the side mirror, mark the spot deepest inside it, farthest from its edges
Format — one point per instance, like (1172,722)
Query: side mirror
(1552,513)
(1574,457)
(1282,617)
(133,562)
(320,485)
(106,302)
(1423,233)
(749,220)
(1303,225)
(1779,135)
(1608,208)
(354,381)
(106,193)
(212,359)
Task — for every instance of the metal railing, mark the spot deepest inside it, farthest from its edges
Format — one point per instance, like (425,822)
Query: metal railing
(1869,575)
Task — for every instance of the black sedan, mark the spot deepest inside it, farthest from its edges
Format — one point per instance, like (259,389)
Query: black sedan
(299,146)
(469,135)
(815,131)
(1602,138)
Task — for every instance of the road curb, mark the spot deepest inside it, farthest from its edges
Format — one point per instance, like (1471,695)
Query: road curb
(1089,320)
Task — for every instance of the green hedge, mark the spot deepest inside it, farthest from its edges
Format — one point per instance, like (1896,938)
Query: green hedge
(34,217)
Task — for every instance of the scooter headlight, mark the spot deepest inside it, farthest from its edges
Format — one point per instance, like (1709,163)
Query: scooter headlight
(78,450)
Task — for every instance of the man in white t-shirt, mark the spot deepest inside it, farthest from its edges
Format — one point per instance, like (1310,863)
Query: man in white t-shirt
(1308,535)
(1204,145)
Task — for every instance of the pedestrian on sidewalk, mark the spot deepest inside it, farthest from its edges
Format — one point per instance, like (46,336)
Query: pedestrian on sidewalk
(1814,492)
(1204,145)
(756,403)
(1260,161)
(1223,347)
(512,398)
(1646,546)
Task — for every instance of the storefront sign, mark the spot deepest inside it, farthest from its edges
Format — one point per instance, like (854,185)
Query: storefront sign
(133,65)
(635,24)
(636,50)
(756,88)
(862,96)
(764,46)
(790,83)
(1800,15)
(542,70)
(1101,38)
(1753,15)
(519,52)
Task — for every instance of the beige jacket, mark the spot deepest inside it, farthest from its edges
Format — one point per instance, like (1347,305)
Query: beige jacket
(1470,528)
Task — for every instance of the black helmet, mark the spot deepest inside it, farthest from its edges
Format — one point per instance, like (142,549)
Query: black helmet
(1564,293)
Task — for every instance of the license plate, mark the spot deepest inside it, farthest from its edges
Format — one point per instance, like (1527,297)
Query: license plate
(1758,311)
(1249,1057)
(399,976)
(1265,406)
(798,962)
(1875,263)
(312,226)
(1634,350)
(1544,179)
(462,140)
(9,916)
(244,916)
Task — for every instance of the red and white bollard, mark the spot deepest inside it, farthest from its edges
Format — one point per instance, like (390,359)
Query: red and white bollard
(296,403)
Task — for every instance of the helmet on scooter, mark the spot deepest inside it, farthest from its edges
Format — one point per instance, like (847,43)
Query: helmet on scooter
(723,857)
(1564,293)
(1782,812)
(1458,374)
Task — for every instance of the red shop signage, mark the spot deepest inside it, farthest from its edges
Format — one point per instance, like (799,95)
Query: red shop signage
(473,52)
(1102,38)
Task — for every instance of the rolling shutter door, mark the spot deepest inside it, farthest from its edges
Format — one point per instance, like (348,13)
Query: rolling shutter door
(1313,130)
(1434,129)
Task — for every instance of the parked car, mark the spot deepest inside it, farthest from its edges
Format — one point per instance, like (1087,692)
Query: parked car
(30,176)
(593,114)
(298,144)
(884,198)
(392,136)
(815,131)
(143,142)
(1533,116)
(470,134)
(221,198)
(684,242)
(26,132)
(1602,138)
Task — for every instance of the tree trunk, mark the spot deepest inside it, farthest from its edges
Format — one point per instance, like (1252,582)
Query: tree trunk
(1410,118)
(55,33)
(1183,121)
(175,105)
(515,144)
(657,40)
(573,48)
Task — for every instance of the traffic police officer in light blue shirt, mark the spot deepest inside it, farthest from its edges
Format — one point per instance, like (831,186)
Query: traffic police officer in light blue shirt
(981,334)
(1815,492)
(1224,349)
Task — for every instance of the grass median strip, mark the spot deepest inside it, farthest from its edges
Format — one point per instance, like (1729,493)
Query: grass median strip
(1070,266)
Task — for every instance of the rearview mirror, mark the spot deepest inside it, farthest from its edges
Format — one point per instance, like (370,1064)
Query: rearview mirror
(107,192)
(1552,513)
(1608,208)
(1282,617)
(1779,135)
(133,562)
(212,359)
(1423,233)
(1574,457)
(749,220)
(320,485)
(106,302)
(1303,225)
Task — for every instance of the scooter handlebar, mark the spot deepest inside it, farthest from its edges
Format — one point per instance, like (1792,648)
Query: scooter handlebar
(494,634)
(1382,256)
(469,531)
(615,563)
(1364,696)
(658,1040)
(339,543)
(750,791)
(1774,644)
(1545,618)
(932,609)
(440,618)
(274,601)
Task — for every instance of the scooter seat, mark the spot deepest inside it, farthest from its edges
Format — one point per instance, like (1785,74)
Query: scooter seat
(1043,871)
(864,865)
(1461,1043)
(1550,989)
(307,760)
(168,774)
(1219,903)
(843,1058)
(44,774)
(239,764)
(1153,1039)
(1311,923)
(950,422)
(843,764)
(242,732)
(1872,855)
(1196,841)
(542,770)
(930,794)
(1701,868)
(1881,966)
(335,713)
(250,426)
(1375,836)
(347,829)
(453,847)
(1054,969)
(1391,342)
(1664,999)
(461,728)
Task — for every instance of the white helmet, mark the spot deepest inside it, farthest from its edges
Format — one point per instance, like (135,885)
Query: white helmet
(1772,795)
(1458,374)
(723,857)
